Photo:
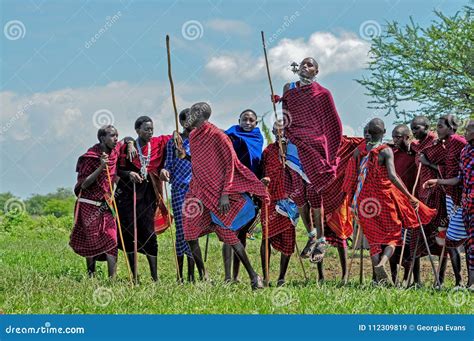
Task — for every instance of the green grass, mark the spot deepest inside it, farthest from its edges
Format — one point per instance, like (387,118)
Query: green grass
(39,274)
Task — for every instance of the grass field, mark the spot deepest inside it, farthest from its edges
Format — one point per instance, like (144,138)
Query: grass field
(39,274)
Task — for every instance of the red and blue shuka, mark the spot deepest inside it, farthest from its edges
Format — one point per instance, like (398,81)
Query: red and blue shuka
(281,232)
(95,231)
(149,195)
(216,170)
(314,127)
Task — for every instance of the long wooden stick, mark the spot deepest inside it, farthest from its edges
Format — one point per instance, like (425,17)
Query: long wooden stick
(171,232)
(176,137)
(361,265)
(279,132)
(135,235)
(206,248)
(353,253)
(119,226)
(406,230)
(267,246)
(428,250)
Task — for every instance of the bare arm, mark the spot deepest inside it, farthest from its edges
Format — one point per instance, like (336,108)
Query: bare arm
(449,182)
(93,176)
(388,157)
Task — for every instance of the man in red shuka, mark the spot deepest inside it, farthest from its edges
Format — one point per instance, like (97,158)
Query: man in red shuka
(218,198)
(381,202)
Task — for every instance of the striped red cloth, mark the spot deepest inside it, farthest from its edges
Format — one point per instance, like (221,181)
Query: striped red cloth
(216,171)
(382,208)
(435,151)
(454,145)
(405,166)
(280,230)
(315,128)
(95,232)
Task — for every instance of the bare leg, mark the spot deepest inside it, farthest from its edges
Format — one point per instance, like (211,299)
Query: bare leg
(111,265)
(131,261)
(456,264)
(320,272)
(190,269)
(284,262)
(242,235)
(317,222)
(90,262)
(255,280)
(227,255)
(264,260)
(180,269)
(196,251)
(152,262)
(305,213)
(342,251)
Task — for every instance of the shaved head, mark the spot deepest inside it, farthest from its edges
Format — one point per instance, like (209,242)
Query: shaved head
(402,129)
(376,126)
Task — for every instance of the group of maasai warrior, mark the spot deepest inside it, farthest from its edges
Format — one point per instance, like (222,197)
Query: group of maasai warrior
(410,198)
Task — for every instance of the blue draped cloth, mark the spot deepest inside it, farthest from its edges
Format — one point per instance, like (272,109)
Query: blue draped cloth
(248,146)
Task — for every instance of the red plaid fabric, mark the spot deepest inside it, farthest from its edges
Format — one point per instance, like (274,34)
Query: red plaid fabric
(333,239)
(467,162)
(383,209)
(95,232)
(405,166)
(217,170)
(454,145)
(280,230)
(315,128)
(301,192)
(197,221)
(435,152)
(157,155)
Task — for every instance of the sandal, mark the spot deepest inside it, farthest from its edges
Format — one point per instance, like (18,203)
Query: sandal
(309,248)
(317,255)
(257,283)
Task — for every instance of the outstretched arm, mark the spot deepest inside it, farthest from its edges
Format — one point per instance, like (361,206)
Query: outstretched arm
(434,182)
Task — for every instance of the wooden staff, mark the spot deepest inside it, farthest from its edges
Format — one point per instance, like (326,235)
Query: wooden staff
(176,137)
(267,248)
(361,266)
(279,132)
(353,253)
(119,226)
(206,249)
(406,230)
(171,232)
(135,235)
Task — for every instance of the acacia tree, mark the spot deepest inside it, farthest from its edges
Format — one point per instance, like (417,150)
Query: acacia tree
(428,68)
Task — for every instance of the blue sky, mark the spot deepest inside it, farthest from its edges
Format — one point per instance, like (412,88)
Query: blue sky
(57,85)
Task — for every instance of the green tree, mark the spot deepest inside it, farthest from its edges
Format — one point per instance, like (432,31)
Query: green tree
(430,68)
(59,207)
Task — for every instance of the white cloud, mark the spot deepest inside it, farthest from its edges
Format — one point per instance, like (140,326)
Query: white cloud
(345,52)
(229,26)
